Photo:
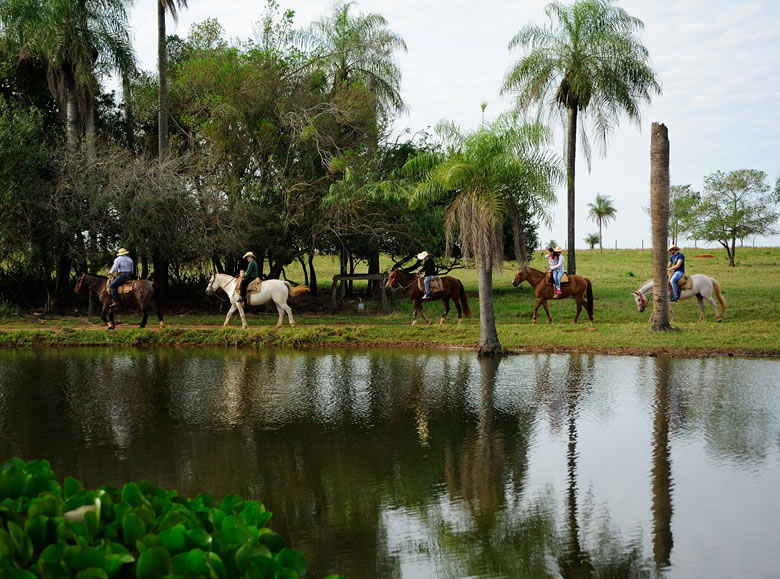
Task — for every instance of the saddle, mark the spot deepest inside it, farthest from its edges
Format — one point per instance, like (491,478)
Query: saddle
(436,284)
(549,279)
(684,283)
(125,288)
(252,288)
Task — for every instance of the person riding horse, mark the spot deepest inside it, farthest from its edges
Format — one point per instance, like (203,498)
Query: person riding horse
(123,267)
(676,269)
(250,275)
(429,270)
(556,265)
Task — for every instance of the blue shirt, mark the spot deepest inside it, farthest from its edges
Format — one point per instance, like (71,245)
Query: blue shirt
(122,264)
(678,257)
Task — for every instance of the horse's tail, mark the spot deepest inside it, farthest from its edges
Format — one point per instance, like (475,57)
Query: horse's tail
(296,290)
(589,297)
(719,295)
(464,300)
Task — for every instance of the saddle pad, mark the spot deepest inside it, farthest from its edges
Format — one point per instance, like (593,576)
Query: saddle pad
(564,278)
(436,284)
(125,288)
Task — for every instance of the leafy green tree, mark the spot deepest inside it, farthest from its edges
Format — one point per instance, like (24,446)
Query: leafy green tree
(589,66)
(478,175)
(163,7)
(733,206)
(592,239)
(601,211)
(682,201)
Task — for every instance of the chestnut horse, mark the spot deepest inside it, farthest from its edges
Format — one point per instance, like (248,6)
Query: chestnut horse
(453,289)
(141,295)
(578,287)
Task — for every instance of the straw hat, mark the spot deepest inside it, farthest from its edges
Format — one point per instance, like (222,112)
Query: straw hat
(122,251)
(673,246)
(422,255)
(557,249)
(248,254)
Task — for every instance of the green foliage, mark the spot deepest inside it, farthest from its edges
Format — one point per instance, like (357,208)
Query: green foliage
(140,530)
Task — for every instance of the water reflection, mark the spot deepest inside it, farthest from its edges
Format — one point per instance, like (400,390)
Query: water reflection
(410,464)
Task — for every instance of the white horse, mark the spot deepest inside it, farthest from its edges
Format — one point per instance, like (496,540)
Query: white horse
(703,287)
(271,289)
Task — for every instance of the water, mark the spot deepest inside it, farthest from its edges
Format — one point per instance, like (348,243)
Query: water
(389,463)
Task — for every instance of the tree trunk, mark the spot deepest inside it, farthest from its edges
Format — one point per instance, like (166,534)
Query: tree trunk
(488,336)
(72,115)
(62,283)
(162,63)
(128,121)
(733,250)
(571,155)
(313,275)
(662,465)
(601,246)
(161,276)
(659,208)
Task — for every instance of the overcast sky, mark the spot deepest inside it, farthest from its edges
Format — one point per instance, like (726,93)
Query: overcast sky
(718,62)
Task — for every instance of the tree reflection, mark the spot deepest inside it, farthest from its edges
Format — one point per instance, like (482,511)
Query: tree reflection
(662,465)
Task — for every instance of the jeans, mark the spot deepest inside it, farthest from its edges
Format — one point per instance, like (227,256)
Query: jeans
(427,283)
(557,275)
(119,280)
(675,276)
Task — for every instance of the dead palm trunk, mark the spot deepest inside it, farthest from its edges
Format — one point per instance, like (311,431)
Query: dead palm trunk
(162,60)
(571,155)
(662,467)
(659,209)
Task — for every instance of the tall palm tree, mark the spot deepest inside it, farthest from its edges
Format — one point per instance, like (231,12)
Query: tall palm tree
(357,49)
(479,174)
(587,65)
(659,214)
(173,7)
(602,211)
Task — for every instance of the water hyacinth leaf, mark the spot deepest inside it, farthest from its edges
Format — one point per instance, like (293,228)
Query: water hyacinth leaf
(193,562)
(174,539)
(34,485)
(234,531)
(274,541)
(92,573)
(16,573)
(262,567)
(77,558)
(72,487)
(131,495)
(11,483)
(250,512)
(231,504)
(249,552)
(263,518)
(208,500)
(22,542)
(216,565)
(133,529)
(47,504)
(292,559)
(115,560)
(55,552)
(53,570)
(39,530)
(7,548)
(155,562)
(197,537)
(92,523)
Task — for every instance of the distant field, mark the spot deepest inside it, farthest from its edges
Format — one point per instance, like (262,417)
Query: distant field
(750,325)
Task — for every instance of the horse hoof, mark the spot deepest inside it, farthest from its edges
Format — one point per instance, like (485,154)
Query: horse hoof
(293,324)
(460,321)
(429,322)
(414,323)
(441,321)
(162,325)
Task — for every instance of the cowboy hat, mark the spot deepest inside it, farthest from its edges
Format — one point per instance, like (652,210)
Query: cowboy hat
(673,246)
(248,254)
(422,255)
(557,249)
(122,251)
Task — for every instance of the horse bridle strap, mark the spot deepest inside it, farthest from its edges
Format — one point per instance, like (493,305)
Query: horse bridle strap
(642,301)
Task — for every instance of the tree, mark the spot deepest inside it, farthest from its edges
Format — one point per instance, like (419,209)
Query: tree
(602,211)
(735,205)
(592,239)
(164,6)
(659,213)
(478,175)
(588,65)
(682,201)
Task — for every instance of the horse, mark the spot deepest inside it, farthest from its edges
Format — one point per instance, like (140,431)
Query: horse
(703,288)
(141,295)
(452,289)
(579,288)
(270,289)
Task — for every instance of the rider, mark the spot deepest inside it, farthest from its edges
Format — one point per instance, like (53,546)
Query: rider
(251,274)
(123,267)
(429,269)
(555,264)
(677,269)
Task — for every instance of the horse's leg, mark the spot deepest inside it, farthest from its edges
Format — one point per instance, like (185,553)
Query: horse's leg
(104,316)
(446,301)
(416,308)
(159,312)
(539,303)
(547,311)
(458,307)
(714,305)
(144,315)
(240,308)
(422,313)
(229,314)
(579,301)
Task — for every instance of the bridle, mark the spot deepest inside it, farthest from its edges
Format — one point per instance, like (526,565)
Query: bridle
(642,300)
(525,273)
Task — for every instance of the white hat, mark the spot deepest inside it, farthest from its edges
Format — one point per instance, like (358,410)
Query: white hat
(673,246)
(557,249)
(248,254)
(422,255)
(122,251)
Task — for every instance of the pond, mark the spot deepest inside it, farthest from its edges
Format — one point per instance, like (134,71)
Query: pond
(399,463)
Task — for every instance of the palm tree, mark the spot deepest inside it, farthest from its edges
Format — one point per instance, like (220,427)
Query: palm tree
(357,49)
(164,6)
(592,239)
(589,64)
(479,175)
(659,213)
(602,211)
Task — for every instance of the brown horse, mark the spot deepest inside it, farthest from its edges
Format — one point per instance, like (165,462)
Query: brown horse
(141,295)
(578,287)
(452,289)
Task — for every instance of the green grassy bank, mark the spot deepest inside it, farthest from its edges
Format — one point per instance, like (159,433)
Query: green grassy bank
(750,325)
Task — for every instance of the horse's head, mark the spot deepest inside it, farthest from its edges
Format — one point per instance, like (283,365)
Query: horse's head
(212,285)
(77,289)
(391,278)
(520,277)
(640,300)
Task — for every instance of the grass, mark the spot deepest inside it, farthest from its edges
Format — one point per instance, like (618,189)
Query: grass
(750,325)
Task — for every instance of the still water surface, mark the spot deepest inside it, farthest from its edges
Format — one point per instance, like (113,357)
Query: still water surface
(426,464)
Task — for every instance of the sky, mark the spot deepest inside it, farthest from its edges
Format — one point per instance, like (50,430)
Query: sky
(718,62)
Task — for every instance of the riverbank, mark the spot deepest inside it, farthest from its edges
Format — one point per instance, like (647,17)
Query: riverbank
(750,327)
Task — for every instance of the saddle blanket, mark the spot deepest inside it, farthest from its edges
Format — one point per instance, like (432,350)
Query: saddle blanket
(436,284)
(125,288)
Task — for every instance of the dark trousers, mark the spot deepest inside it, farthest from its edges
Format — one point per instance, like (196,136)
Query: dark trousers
(244,283)
(119,280)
